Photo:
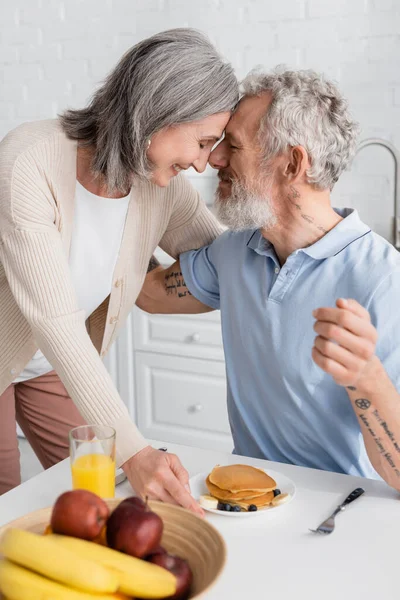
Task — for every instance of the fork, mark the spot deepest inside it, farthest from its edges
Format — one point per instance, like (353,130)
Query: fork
(329,525)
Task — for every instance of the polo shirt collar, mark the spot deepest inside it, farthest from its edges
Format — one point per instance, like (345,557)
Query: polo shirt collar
(350,229)
(260,244)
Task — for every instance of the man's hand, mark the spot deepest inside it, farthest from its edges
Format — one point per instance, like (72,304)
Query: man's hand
(160,476)
(345,345)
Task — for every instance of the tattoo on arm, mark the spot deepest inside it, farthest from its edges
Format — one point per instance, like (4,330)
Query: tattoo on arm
(175,285)
(153,264)
(365,404)
(386,429)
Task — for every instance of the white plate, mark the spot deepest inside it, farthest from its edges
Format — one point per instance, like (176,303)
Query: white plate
(198,487)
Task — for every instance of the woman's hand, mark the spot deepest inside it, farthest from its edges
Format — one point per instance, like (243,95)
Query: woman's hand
(160,476)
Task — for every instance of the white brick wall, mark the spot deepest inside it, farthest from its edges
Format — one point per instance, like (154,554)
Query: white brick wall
(53,53)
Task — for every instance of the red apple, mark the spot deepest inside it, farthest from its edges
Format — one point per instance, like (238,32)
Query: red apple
(132,530)
(158,550)
(80,514)
(180,568)
(136,502)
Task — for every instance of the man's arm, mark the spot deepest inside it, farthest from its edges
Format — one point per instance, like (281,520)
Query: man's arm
(345,348)
(165,292)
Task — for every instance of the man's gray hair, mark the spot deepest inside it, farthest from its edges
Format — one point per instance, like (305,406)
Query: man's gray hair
(309,111)
(173,77)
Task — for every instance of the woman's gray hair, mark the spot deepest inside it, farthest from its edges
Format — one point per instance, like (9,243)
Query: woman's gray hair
(173,77)
(309,111)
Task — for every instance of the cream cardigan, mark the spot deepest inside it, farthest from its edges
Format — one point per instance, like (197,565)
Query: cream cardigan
(37,300)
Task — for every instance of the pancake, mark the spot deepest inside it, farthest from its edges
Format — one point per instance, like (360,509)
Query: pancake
(261,501)
(239,478)
(227,495)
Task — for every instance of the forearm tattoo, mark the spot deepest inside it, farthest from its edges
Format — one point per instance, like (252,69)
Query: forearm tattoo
(380,432)
(153,264)
(175,285)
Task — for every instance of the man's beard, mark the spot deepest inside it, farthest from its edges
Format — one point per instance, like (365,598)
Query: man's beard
(246,208)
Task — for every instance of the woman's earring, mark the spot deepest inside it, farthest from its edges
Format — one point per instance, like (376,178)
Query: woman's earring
(148,143)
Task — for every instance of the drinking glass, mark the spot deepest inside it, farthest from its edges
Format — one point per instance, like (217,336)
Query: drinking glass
(92,453)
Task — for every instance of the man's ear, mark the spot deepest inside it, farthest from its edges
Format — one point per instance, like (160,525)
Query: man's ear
(297,164)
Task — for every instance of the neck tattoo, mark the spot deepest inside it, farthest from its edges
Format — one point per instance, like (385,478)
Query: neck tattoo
(293,197)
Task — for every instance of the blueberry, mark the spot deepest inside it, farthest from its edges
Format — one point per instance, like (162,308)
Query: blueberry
(252,508)
(228,507)
(236,509)
(221,506)
(276,492)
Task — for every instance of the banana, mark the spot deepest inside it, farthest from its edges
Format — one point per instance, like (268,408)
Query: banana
(136,576)
(280,499)
(207,501)
(17,583)
(42,555)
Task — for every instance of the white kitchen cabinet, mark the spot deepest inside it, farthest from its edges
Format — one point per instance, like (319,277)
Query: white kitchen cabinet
(184,335)
(182,400)
(170,372)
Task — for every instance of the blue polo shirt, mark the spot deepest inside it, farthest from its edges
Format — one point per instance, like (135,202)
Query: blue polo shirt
(281,405)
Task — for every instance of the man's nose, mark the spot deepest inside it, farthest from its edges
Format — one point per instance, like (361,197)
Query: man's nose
(219,157)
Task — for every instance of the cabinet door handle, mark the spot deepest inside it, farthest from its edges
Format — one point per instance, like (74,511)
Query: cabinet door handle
(195,408)
(195,337)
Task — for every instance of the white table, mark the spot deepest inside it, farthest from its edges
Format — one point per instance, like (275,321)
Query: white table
(274,556)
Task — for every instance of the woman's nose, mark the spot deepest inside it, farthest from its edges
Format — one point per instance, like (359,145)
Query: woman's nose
(200,164)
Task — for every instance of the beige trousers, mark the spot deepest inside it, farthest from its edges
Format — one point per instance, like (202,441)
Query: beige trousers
(45,413)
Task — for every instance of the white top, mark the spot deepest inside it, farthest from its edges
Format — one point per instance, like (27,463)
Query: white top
(275,556)
(91,261)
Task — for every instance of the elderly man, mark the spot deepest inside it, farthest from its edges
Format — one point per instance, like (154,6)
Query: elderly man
(308,294)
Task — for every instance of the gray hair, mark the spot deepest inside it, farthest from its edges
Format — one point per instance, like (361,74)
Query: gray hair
(173,77)
(309,111)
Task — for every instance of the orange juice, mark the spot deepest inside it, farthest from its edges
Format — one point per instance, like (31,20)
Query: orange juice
(96,473)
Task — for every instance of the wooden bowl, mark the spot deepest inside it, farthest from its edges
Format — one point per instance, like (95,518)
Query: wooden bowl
(185,535)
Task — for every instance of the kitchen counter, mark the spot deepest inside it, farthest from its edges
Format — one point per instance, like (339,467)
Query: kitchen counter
(274,556)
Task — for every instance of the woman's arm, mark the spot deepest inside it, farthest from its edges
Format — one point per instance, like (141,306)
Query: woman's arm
(38,275)
(37,270)
(191,225)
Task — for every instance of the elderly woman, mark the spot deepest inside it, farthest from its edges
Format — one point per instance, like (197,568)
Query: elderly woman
(84,201)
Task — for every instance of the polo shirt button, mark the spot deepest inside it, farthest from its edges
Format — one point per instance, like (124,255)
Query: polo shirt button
(103,353)
(276,269)
(13,371)
(113,320)
(117,282)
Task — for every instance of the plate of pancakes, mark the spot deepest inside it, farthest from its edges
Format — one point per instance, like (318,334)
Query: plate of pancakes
(242,490)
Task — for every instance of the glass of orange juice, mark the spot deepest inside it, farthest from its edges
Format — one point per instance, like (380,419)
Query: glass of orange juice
(92,452)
